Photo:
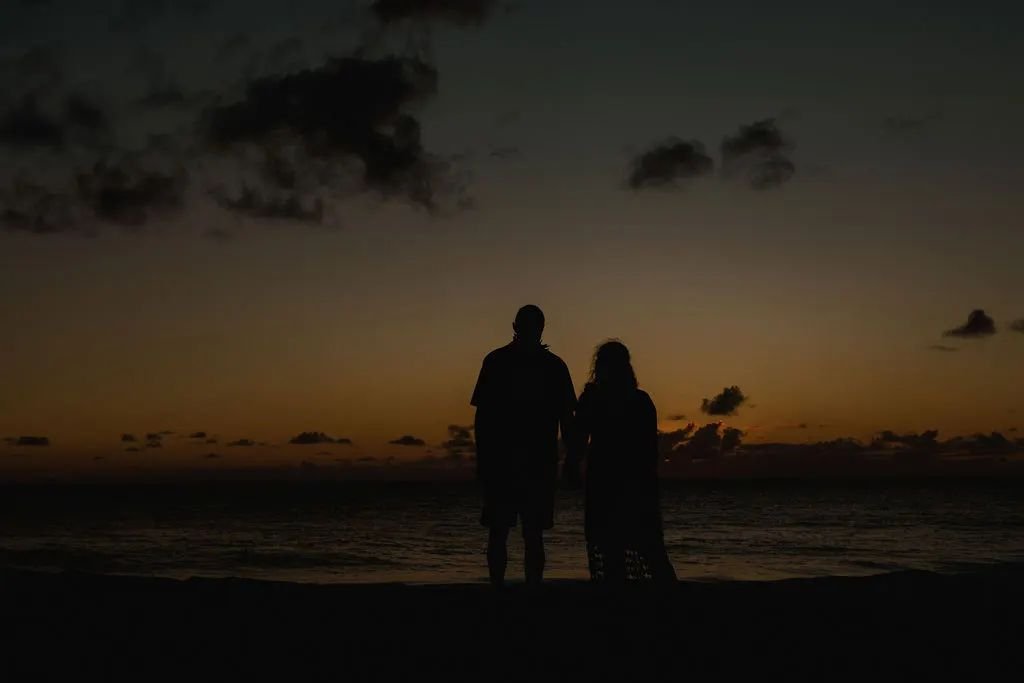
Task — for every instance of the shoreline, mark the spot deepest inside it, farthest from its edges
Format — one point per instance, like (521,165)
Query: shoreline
(910,621)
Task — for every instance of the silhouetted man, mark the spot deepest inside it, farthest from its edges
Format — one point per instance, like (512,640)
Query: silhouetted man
(524,394)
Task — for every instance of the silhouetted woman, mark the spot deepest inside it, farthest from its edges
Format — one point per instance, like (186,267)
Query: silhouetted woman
(618,427)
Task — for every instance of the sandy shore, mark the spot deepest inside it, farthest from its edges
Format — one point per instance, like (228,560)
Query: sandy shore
(908,624)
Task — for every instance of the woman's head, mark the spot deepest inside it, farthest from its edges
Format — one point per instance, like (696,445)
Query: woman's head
(612,367)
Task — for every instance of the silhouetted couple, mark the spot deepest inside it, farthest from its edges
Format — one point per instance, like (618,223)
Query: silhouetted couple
(523,396)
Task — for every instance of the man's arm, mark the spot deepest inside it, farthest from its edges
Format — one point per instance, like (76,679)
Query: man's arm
(569,427)
(483,420)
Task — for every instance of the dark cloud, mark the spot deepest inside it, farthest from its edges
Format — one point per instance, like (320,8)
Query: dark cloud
(244,443)
(167,432)
(290,206)
(982,444)
(128,438)
(82,113)
(36,441)
(759,155)
(978,325)
(507,152)
(732,438)
(154,436)
(903,125)
(460,444)
(154,444)
(234,45)
(678,417)
(98,458)
(461,12)
(943,348)
(709,441)
(1017,325)
(725,403)
(24,125)
(312,438)
(408,440)
(197,435)
(926,441)
(133,449)
(669,441)
(670,164)
(211,441)
(130,196)
(211,456)
(164,96)
(37,71)
(348,110)
(286,49)
(28,207)
(137,15)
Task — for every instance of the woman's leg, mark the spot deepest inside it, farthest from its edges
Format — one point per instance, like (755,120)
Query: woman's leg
(659,564)
(614,555)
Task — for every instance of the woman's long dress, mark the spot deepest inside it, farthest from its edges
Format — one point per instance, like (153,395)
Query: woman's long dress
(623,509)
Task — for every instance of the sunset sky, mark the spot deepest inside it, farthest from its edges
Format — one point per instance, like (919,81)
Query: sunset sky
(825,295)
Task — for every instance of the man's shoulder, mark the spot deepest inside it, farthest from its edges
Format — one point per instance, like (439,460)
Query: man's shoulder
(555,360)
(498,354)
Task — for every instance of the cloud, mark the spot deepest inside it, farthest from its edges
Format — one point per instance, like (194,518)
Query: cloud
(670,163)
(926,441)
(669,441)
(133,449)
(460,444)
(312,438)
(904,125)
(243,443)
(943,348)
(348,110)
(1017,325)
(408,440)
(233,45)
(128,195)
(82,113)
(211,441)
(759,155)
(32,208)
(709,441)
(154,436)
(128,438)
(732,438)
(725,403)
(460,12)
(37,71)
(154,444)
(34,441)
(255,204)
(24,125)
(197,435)
(211,456)
(978,325)
(285,49)
(132,16)
(164,96)
(678,417)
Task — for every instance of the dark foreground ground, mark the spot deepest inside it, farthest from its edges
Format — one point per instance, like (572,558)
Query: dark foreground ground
(906,625)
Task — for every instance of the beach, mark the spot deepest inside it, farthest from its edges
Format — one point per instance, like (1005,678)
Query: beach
(910,625)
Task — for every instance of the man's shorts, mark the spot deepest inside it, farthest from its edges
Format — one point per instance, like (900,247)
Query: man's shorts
(527,495)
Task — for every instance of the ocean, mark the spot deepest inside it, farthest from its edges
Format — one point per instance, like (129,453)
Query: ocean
(429,532)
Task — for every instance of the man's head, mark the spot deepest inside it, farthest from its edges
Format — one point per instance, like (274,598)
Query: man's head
(529,324)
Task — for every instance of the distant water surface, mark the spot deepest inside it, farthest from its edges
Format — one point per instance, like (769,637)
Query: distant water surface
(429,532)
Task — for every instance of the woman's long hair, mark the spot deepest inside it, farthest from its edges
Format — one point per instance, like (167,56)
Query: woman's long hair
(612,370)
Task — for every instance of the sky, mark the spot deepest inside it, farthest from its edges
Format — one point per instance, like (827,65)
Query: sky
(207,225)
